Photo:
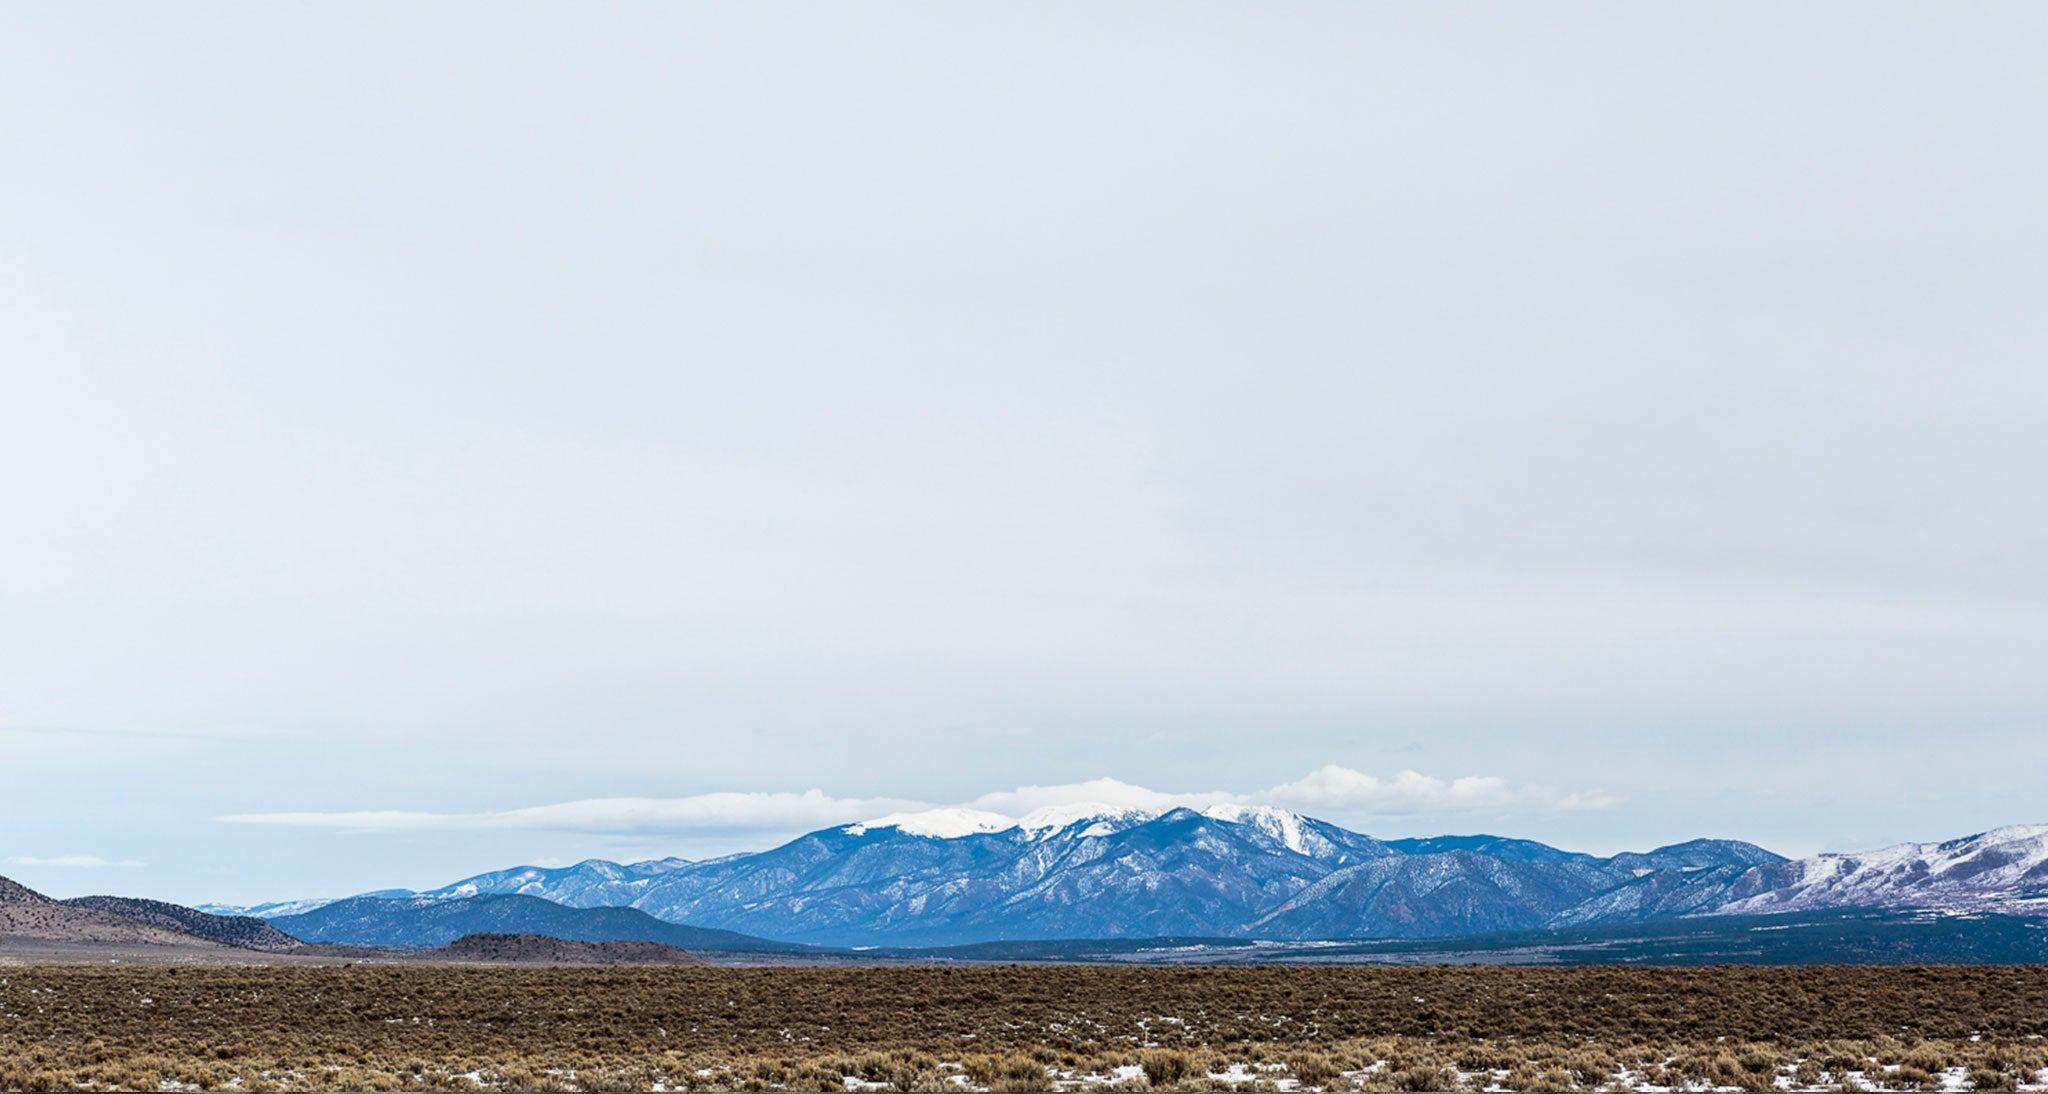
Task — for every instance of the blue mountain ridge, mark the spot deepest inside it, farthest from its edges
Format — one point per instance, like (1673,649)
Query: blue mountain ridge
(1109,874)
(1245,872)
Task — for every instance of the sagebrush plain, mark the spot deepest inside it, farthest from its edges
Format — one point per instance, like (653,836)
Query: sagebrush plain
(393,1027)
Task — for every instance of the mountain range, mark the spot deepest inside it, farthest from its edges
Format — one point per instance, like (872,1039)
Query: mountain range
(957,877)
(460,931)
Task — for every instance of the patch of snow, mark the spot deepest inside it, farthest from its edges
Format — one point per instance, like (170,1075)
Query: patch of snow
(956,822)
(950,823)
(1057,818)
(1281,823)
(268,911)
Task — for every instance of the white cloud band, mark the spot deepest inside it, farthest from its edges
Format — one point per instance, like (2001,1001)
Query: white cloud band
(726,811)
(1332,790)
(77,862)
(1412,793)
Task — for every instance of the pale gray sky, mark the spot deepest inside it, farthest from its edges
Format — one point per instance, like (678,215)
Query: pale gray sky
(471,409)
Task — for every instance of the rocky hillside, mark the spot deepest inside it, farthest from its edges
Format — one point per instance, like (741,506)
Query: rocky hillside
(29,916)
(241,932)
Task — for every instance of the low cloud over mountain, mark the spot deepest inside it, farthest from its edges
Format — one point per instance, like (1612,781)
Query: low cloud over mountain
(1331,789)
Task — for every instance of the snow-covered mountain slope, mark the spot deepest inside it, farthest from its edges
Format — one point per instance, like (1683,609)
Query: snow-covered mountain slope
(588,884)
(1428,896)
(1100,818)
(2003,869)
(1657,894)
(591,883)
(271,910)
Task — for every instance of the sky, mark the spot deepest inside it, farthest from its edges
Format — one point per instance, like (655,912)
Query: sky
(438,438)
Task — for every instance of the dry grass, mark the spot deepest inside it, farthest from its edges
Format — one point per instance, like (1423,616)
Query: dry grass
(1009,1028)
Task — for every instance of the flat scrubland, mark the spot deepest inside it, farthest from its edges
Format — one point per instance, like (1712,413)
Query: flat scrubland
(389,1027)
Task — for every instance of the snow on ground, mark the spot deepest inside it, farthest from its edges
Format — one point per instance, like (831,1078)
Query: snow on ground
(1274,1076)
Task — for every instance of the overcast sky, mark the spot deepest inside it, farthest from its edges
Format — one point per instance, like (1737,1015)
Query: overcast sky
(422,424)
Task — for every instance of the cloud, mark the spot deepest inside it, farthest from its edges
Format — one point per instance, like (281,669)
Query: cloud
(1025,799)
(1412,793)
(1331,789)
(82,862)
(725,811)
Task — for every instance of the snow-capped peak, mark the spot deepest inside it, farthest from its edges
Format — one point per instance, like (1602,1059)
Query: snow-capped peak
(955,822)
(959,821)
(1058,818)
(1281,824)
(950,823)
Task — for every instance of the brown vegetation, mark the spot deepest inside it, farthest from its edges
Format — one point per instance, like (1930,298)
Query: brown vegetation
(1008,1028)
(29,916)
(534,949)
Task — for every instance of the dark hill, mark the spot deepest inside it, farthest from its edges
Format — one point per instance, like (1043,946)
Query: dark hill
(1699,854)
(533,949)
(240,931)
(424,921)
(29,916)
